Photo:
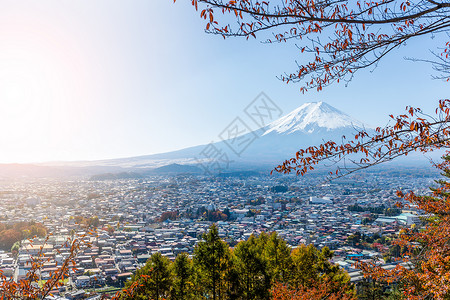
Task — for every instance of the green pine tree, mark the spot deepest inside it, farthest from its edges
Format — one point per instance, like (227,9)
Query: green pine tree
(212,256)
(183,271)
(155,279)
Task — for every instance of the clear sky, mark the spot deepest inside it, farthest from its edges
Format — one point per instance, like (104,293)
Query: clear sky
(84,80)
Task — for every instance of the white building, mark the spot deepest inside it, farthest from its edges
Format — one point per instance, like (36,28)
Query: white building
(315,200)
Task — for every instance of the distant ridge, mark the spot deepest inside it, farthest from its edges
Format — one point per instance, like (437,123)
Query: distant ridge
(175,168)
(114,176)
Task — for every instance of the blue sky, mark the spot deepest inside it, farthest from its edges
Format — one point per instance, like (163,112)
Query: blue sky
(83,80)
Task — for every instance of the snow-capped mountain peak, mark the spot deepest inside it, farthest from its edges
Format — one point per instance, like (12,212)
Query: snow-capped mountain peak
(311,117)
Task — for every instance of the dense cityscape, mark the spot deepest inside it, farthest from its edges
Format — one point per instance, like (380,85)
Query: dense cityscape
(356,217)
(138,138)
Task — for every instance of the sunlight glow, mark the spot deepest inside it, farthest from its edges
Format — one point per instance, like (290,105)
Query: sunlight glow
(36,85)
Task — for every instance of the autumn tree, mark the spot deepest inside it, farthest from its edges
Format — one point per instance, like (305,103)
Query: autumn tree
(168,215)
(425,269)
(28,288)
(322,290)
(314,277)
(9,237)
(93,221)
(15,249)
(12,233)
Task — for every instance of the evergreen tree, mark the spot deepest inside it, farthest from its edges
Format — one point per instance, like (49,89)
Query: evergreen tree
(234,288)
(370,289)
(311,266)
(183,277)
(154,279)
(262,267)
(279,259)
(252,268)
(212,256)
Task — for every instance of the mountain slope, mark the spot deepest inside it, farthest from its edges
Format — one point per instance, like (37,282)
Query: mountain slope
(310,124)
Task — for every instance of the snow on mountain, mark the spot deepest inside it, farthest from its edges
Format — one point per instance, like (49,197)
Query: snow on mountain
(311,117)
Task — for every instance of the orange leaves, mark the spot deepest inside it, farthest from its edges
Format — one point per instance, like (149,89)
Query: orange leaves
(425,272)
(26,289)
(203,14)
(404,5)
(350,35)
(320,290)
(446,52)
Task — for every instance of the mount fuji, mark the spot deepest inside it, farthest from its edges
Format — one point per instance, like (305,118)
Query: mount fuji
(310,124)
